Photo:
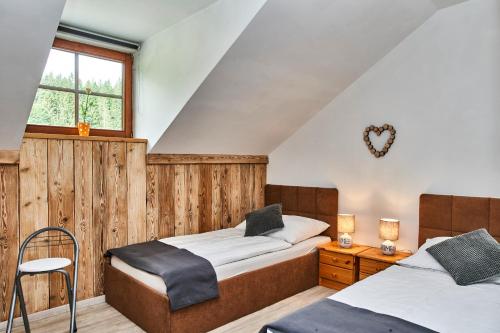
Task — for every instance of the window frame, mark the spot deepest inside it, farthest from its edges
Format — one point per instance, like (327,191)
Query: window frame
(102,53)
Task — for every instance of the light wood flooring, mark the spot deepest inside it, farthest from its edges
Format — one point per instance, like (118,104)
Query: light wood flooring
(103,318)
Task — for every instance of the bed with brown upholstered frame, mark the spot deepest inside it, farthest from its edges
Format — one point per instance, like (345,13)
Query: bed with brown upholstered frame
(448,215)
(239,295)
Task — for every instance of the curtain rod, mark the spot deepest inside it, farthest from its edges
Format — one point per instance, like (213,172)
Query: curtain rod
(98,37)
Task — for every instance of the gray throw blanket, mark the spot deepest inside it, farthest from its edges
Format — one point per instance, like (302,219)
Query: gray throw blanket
(190,279)
(328,316)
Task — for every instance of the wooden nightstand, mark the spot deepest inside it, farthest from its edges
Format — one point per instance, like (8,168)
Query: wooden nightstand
(338,267)
(373,261)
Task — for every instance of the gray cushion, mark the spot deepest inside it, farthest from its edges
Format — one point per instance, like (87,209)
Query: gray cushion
(469,258)
(264,221)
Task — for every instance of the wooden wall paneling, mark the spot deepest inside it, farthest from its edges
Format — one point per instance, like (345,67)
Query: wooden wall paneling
(115,171)
(259,185)
(205,198)
(152,202)
(60,168)
(9,234)
(33,216)
(167,201)
(83,217)
(216,197)
(99,211)
(176,159)
(192,199)
(180,200)
(136,192)
(234,204)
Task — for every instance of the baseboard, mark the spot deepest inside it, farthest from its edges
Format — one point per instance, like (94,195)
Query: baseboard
(54,311)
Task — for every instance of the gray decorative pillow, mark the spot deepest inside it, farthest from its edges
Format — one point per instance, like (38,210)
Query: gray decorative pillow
(264,221)
(469,258)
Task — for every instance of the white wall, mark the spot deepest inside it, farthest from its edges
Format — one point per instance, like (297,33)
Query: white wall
(173,63)
(440,88)
(27,29)
(292,60)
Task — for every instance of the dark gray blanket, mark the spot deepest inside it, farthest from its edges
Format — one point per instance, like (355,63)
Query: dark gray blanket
(328,316)
(190,279)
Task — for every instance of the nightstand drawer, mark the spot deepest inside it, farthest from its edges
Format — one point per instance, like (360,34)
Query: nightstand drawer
(363,276)
(336,259)
(370,266)
(336,274)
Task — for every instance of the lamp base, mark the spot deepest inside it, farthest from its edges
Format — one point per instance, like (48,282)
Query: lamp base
(345,241)
(388,248)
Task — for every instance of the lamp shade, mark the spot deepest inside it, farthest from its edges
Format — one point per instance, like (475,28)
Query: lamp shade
(389,229)
(345,223)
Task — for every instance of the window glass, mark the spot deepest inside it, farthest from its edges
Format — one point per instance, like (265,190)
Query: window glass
(104,112)
(102,76)
(54,108)
(59,70)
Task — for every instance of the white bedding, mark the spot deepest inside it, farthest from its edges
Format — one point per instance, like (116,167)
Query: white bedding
(427,298)
(229,252)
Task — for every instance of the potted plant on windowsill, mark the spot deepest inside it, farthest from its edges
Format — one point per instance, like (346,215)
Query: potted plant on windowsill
(84,125)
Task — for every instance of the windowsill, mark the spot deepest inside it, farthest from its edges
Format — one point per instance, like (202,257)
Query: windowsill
(82,138)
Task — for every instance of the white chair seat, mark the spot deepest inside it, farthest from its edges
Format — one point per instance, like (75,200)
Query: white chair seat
(42,265)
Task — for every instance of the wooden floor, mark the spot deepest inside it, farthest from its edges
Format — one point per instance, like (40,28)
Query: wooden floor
(103,318)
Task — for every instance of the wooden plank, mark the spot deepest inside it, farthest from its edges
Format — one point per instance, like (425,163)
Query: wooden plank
(216,213)
(82,138)
(246,189)
(34,216)
(9,234)
(83,217)
(225,195)
(259,186)
(192,200)
(180,200)
(166,209)
(206,159)
(9,156)
(115,171)
(235,195)
(152,202)
(205,198)
(136,177)
(99,211)
(61,210)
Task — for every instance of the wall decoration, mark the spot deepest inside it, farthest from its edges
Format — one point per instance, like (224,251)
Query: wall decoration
(379,131)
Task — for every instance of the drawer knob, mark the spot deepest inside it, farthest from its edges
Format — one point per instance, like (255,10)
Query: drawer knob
(334,275)
(347,262)
(334,260)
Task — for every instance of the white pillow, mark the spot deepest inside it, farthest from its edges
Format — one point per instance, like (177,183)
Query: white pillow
(298,228)
(242,225)
(422,259)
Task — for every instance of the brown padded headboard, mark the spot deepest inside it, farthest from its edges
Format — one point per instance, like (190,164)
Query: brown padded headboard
(314,202)
(448,215)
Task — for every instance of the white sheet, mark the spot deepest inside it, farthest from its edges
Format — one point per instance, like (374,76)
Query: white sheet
(427,298)
(229,252)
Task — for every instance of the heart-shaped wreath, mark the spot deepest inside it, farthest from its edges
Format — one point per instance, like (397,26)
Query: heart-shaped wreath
(379,131)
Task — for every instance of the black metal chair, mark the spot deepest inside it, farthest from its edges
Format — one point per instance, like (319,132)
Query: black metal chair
(45,266)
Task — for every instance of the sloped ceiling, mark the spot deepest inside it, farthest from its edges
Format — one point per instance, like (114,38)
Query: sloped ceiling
(129,19)
(292,59)
(27,29)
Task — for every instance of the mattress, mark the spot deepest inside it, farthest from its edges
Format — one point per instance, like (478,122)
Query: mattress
(428,298)
(229,252)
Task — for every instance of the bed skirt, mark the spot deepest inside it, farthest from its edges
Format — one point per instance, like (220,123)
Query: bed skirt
(238,296)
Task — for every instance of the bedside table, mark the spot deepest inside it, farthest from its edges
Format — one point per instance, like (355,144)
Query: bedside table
(373,261)
(338,267)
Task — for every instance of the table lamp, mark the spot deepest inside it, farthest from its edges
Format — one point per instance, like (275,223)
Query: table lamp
(345,225)
(389,232)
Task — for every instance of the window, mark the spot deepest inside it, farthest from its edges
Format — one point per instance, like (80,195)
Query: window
(72,70)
